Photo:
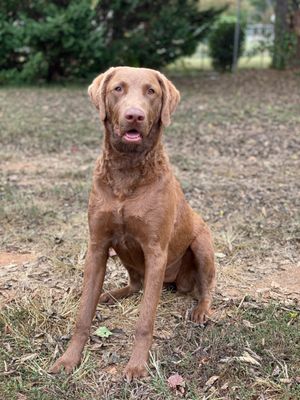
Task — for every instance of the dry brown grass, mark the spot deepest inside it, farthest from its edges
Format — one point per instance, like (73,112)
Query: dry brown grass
(235,147)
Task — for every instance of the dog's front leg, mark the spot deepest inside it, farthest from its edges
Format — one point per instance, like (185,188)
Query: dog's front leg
(155,264)
(94,272)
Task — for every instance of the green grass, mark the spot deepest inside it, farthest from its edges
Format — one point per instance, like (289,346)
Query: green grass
(268,334)
(195,63)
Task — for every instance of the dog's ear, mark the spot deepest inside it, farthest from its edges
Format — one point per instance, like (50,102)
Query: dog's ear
(97,91)
(170,99)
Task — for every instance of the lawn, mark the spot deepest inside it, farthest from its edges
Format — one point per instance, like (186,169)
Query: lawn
(234,144)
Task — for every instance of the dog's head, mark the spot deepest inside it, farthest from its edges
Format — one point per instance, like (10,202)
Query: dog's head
(133,104)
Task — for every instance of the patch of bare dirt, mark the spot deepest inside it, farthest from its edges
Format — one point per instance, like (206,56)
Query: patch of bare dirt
(19,166)
(13,273)
(286,282)
(15,258)
(29,172)
(282,283)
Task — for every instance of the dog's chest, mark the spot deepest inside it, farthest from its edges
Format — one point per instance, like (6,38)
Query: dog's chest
(126,236)
(119,223)
(126,223)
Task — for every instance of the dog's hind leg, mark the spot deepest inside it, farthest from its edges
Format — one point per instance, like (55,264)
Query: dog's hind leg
(134,285)
(202,248)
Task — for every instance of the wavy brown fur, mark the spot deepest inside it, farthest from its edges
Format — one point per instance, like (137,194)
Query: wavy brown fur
(137,207)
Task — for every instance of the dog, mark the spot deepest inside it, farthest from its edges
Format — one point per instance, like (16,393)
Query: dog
(137,207)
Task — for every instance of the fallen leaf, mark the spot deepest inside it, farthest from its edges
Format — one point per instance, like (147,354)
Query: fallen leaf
(211,381)
(112,370)
(225,386)
(7,329)
(103,332)
(220,255)
(175,380)
(293,314)
(204,361)
(118,331)
(276,371)
(248,324)
(8,347)
(110,358)
(96,346)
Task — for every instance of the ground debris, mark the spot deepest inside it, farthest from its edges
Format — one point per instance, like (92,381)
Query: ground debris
(244,358)
(237,158)
(212,380)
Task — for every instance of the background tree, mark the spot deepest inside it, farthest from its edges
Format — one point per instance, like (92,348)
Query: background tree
(68,39)
(287,34)
(221,43)
(262,10)
(48,40)
(153,33)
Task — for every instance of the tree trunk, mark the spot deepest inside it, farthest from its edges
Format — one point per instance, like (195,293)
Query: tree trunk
(287,34)
(297,31)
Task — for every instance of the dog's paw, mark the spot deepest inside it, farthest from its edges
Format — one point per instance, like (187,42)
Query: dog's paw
(200,315)
(106,298)
(135,371)
(65,362)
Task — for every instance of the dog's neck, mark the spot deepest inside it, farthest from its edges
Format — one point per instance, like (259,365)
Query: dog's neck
(125,172)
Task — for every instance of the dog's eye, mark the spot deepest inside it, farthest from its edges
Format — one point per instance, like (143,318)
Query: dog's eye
(118,88)
(150,91)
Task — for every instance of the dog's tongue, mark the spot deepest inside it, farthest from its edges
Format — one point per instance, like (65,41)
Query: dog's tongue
(132,136)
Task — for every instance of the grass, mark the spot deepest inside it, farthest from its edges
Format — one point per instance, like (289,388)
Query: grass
(251,348)
(234,145)
(204,63)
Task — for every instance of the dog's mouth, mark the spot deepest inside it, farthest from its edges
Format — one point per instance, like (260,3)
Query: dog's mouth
(133,135)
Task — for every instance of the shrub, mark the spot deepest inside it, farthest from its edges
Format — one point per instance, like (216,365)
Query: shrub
(221,43)
(74,39)
(153,33)
(11,38)
(68,39)
(49,40)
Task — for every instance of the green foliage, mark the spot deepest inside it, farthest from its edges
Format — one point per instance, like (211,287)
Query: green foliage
(36,66)
(283,50)
(262,6)
(286,49)
(71,44)
(11,41)
(47,41)
(73,39)
(154,33)
(221,43)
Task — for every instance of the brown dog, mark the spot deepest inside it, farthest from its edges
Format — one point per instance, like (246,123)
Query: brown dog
(136,206)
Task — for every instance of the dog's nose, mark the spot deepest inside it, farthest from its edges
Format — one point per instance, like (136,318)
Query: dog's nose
(135,115)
